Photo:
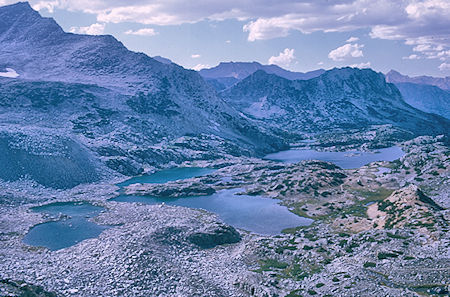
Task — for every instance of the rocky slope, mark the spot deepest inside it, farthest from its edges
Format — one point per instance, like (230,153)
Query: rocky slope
(338,99)
(405,207)
(108,101)
(83,111)
(426,98)
(161,250)
(172,251)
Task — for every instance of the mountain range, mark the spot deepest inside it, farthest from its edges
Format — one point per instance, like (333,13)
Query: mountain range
(241,70)
(426,93)
(226,74)
(441,82)
(112,103)
(79,108)
(338,99)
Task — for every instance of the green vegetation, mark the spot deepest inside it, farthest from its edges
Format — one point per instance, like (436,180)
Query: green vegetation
(395,236)
(359,209)
(342,234)
(369,264)
(378,195)
(281,249)
(269,264)
(294,294)
(342,243)
(294,230)
(382,256)
(296,272)
(321,250)
(311,236)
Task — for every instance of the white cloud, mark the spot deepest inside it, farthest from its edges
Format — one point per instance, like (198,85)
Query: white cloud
(414,21)
(429,48)
(195,56)
(422,48)
(142,32)
(361,65)
(320,63)
(266,29)
(284,59)
(145,14)
(411,57)
(444,67)
(47,5)
(10,73)
(227,41)
(346,51)
(199,67)
(408,20)
(352,39)
(94,29)
(443,55)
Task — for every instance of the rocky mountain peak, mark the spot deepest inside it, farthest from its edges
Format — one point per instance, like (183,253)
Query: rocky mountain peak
(18,8)
(339,98)
(20,23)
(352,73)
(241,70)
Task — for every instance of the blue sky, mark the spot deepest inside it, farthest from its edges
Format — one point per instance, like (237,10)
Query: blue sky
(411,36)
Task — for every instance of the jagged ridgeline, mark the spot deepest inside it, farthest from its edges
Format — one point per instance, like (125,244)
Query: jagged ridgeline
(83,108)
(123,110)
(346,98)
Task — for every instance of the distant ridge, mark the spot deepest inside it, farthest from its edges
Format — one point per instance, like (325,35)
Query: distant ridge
(227,74)
(240,70)
(345,98)
(441,82)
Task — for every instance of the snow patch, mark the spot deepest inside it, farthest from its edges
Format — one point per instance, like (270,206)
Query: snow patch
(11,73)
(262,109)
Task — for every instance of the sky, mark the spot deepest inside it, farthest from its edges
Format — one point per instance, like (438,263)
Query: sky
(411,36)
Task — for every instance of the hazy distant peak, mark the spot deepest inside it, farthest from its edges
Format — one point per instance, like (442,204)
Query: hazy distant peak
(441,82)
(241,70)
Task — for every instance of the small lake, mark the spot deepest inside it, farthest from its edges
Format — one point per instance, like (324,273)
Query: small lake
(257,214)
(345,160)
(383,170)
(167,175)
(73,228)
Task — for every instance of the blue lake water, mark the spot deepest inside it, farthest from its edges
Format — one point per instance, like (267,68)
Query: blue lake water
(253,213)
(75,226)
(68,231)
(345,160)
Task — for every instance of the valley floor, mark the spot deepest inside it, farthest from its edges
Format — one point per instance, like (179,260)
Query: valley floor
(380,230)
